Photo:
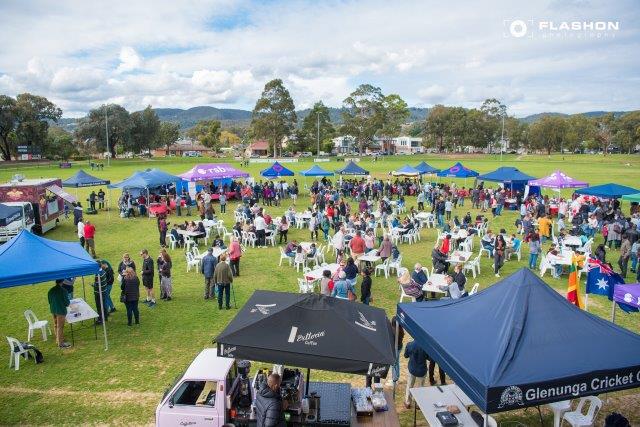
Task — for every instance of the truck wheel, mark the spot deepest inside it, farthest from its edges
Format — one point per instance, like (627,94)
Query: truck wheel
(37,229)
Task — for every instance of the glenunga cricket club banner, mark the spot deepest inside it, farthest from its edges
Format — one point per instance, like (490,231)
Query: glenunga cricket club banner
(521,396)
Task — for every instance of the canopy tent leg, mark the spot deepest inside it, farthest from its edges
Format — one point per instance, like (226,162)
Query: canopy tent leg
(306,386)
(397,333)
(84,293)
(104,321)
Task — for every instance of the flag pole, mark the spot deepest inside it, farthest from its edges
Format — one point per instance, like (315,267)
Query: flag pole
(586,300)
(613,312)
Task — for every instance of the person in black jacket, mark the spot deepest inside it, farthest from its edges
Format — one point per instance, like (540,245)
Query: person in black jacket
(131,291)
(269,404)
(440,264)
(147,277)
(365,287)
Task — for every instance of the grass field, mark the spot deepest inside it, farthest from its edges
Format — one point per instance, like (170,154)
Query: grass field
(86,385)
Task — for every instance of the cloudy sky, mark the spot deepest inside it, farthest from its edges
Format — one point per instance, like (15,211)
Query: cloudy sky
(186,53)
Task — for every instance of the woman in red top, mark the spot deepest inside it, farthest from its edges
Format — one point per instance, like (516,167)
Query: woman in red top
(446,244)
(235,252)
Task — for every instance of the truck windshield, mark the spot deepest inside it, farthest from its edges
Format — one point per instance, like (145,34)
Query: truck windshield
(28,213)
(196,393)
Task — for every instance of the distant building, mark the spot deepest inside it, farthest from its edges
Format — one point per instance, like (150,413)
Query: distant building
(184,147)
(258,148)
(406,145)
(344,144)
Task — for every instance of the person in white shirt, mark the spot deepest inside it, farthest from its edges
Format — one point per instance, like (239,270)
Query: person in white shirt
(261,226)
(338,239)
(81,232)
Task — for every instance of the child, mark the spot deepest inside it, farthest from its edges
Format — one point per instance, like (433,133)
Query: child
(326,283)
(365,287)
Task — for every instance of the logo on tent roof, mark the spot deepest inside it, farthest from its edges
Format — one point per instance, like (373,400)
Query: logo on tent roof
(511,396)
(364,323)
(263,308)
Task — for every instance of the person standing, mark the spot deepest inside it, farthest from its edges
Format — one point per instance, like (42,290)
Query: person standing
(235,253)
(100,199)
(625,254)
(260,225)
(147,277)
(165,275)
(126,262)
(58,303)
(162,228)
(269,404)
(365,287)
(207,267)
(534,250)
(89,236)
(283,229)
(223,278)
(131,291)
(416,369)
(223,202)
(92,201)
(103,281)
(498,254)
(80,226)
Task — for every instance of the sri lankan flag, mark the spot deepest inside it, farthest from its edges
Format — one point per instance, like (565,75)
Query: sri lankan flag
(573,292)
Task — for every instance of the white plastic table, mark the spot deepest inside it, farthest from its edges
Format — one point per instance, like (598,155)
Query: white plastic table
(572,241)
(459,257)
(434,283)
(79,311)
(316,274)
(432,400)
(216,253)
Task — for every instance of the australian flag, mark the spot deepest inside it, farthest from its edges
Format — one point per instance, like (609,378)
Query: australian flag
(601,280)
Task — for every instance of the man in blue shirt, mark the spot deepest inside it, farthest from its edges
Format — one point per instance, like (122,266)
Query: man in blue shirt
(207,267)
(417,369)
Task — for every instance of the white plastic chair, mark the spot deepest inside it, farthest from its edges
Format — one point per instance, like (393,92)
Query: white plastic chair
(283,255)
(403,295)
(189,243)
(16,350)
(172,241)
(271,239)
(384,267)
(517,253)
(473,265)
(304,287)
(474,290)
(577,418)
(396,265)
(559,409)
(300,260)
(35,324)
(191,261)
(195,251)
(545,266)
(251,239)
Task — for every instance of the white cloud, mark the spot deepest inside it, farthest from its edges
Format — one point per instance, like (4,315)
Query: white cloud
(129,60)
(176,54)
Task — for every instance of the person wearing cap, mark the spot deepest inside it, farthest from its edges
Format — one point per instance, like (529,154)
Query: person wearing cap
(147,277)
(207,267)
(342,287)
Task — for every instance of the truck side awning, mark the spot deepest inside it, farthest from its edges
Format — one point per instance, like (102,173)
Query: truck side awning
(61,193)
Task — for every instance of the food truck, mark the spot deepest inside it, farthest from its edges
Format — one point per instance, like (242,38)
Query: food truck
(41,200)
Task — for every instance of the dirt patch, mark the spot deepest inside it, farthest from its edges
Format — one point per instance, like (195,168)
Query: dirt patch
(113,397)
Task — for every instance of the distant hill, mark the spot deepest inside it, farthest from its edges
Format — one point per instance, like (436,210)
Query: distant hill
(535,117)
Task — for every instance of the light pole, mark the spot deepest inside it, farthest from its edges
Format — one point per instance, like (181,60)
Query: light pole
(502,139)
(318,150)
(106,128)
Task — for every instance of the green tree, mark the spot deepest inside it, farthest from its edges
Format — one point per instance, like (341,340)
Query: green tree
(274,115)
(60,144)
(435,127)
(145,126)
(362,114)
(548,133)
(8,120)
(517,132)
(229,139)
(168,133)
(395,113)
(580,131)
(605,127)
(31,116)
(316,126)
(494,112)
(93,127)
(207,132)
(628,131)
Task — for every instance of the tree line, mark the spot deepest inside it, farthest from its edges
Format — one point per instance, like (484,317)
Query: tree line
(368,115)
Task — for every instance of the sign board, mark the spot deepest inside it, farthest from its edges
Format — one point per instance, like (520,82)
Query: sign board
(321,160)
(271,160)
(350,159)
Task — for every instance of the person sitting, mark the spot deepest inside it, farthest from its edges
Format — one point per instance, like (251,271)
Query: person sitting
(177,236)
(351,272)
(459,278)
(312,251)
(218,242)
(410,286)
(514,246)
(439,260)
(291,248)
(202,232)
(451,287)
(552,258)
(488,241)
(419,275)
(299,257)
